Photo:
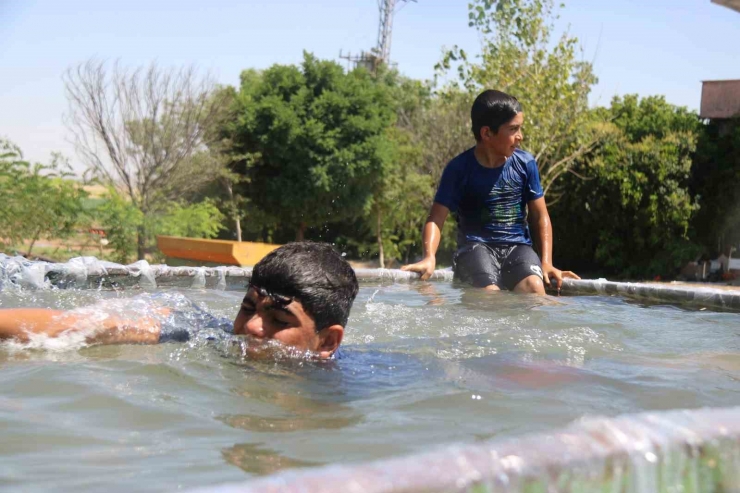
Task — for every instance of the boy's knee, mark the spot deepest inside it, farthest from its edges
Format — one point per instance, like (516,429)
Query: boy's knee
(531,284)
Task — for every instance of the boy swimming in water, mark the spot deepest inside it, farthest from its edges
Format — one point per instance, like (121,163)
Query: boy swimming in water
(494,190)
(299,296)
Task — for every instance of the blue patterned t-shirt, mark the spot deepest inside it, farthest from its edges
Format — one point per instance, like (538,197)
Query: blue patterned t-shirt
(490,204)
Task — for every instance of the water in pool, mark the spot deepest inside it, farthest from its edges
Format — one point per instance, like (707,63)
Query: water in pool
(422,365)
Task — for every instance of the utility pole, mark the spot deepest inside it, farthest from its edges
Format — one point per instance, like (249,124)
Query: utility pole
(381,54)
(385,29)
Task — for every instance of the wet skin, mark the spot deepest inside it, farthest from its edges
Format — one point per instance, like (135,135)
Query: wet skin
(261,318)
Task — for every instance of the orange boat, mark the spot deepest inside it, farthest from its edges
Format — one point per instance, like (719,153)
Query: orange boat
(218,252)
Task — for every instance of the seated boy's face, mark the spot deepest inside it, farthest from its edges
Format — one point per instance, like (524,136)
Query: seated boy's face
(262,318)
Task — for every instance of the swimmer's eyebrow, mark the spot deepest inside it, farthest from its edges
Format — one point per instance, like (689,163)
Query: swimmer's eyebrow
(281,308)
(272,306)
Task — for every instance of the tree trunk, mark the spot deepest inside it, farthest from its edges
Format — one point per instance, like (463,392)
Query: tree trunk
(299,235)
(379,235)
(238,222)
(140,243)
(30,247)
(237,218)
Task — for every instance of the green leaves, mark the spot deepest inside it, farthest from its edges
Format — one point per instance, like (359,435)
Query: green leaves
(632,212)
(714,178)
(123,222)
(315,134)
(38,201)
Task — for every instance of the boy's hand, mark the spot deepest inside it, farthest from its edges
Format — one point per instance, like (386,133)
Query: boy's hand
(550,273)
(424,267)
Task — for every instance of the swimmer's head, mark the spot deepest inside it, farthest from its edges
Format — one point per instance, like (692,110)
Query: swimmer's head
(301,295)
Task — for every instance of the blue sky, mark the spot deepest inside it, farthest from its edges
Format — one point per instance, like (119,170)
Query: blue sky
(638,46)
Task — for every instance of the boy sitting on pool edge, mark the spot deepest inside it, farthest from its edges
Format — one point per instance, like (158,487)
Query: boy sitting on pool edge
(494,190)
(300,295)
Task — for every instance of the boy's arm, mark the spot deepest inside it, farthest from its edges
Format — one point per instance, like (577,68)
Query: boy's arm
(431,237)
(20,323)
(540,220)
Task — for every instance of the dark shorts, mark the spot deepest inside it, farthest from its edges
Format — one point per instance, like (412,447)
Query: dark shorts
(481,264)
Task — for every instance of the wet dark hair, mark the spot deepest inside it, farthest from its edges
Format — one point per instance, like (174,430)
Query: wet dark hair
(314,274)
(492,109)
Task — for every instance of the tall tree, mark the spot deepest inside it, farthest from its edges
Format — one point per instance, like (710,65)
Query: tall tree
(519,56)
(310,141)
(144,132)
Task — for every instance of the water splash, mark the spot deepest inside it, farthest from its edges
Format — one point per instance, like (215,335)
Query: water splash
(20,273)
(199,279)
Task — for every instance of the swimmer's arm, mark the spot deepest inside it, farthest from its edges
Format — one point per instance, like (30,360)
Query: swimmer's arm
(20,323)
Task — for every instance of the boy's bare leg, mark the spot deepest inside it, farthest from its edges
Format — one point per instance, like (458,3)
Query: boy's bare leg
(530,285)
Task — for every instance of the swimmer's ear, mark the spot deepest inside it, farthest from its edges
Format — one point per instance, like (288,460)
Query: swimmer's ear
(329,340)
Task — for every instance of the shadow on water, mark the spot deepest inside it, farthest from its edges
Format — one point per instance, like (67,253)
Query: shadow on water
(260,460)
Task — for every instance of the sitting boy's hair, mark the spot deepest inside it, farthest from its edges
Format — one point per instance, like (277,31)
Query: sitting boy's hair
(492,109)
(314,274)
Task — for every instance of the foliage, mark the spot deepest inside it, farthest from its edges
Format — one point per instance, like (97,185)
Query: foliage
(199,220)
(631,215)
(438,129)
(715,178)
(38,201)
(520,57)
(310,141)
(122,221)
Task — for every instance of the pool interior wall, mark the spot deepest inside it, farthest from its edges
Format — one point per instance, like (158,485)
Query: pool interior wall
(93,273)
(696,450)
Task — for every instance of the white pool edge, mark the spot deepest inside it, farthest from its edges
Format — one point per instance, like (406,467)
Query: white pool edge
(685,450)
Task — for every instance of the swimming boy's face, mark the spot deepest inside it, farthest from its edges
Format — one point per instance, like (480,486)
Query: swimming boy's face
(507,139)
(264,318)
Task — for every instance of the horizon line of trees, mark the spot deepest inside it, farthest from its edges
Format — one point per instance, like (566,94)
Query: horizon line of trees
(313,151)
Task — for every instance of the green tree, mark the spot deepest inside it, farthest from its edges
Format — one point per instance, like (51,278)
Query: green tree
(520,57)
(38,201)
(199,220)
(631,214)
(715,178)
(438,128)
(310,141)
(123,221)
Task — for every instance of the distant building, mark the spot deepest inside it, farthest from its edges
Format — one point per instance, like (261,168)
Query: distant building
(720,99)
